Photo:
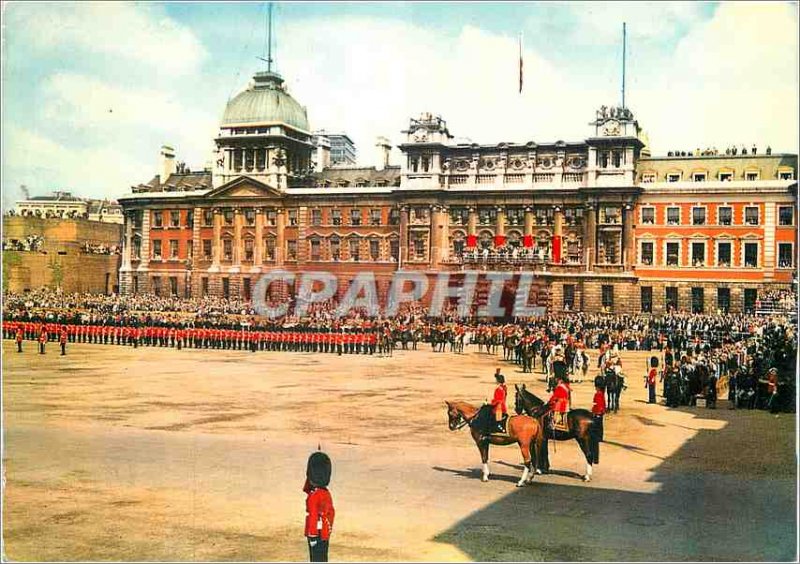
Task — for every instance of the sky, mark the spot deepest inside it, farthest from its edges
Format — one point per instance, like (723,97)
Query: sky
(92,90)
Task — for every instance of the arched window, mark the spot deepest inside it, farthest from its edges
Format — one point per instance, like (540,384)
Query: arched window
(485,240)
(514,238)
(335,247)
(457,243)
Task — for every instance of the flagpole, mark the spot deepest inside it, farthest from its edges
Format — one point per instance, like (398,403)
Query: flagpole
(520,62)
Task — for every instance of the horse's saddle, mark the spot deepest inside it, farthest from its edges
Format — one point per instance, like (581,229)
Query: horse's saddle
(558,421)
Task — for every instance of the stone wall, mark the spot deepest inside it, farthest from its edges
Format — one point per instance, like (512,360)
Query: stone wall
(25,271)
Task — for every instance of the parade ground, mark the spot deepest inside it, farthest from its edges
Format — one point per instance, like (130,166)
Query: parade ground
(115,453)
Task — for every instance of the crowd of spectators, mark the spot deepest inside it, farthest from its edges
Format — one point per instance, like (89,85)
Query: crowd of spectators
(31,243)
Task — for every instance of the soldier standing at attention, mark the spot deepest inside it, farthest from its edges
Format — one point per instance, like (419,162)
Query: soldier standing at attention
(63,341)
(319,506)
(19,339)
(42,340)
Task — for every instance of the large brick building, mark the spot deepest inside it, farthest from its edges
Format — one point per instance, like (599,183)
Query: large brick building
(601,222)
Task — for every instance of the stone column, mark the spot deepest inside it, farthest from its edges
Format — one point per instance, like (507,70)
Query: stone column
(237,237)
(590,236)
(280,239)
(216,243)
(404,234)
(144,263)
(500,226)
(259,244)
(628,252)
(127,246)
(528,221)
(436,236)
(472,222)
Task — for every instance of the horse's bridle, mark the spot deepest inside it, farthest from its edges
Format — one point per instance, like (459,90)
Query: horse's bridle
(463,421)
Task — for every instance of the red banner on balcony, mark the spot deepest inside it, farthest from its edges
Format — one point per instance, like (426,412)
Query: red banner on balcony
(499,240)
(556,249)
(527,241)
(472,241)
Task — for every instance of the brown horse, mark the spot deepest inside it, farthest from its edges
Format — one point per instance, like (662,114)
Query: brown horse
(522,430)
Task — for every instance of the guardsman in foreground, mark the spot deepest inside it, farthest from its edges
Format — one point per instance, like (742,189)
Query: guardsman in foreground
(19,339)
(499,409)
(599,407)
(63,340)
(42,339)
(319,506)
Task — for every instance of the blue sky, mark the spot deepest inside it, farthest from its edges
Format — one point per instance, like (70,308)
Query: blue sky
(91,90)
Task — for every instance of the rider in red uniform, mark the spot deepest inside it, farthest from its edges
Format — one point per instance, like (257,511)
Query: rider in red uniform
(499,409)
(559,401)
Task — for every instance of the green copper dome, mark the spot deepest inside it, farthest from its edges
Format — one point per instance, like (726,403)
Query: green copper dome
(266,101)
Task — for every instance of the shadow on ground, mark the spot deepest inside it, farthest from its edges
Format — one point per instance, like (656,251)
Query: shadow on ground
(706,505)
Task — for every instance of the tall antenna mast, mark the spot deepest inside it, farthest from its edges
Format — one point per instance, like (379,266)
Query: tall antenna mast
(623,63)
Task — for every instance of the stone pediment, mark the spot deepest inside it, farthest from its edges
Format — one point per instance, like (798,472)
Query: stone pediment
(246,188)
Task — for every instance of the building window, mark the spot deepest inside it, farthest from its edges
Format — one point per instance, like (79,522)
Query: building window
(698,254)
(269,249)
(353,247)
(569,297)
(314,249)
(647,253)
(204,286)
(246,289)
(206,249)
(785,215)
(723,254)
(208,218)
(674,177)
(673,254)
(158,220)
(418,246)
(750,297)
(292,217)
(375,217)
(413,164)
(426,164)
(291,249)
(751,176)
(751,215)
(272,218)
(173,286)
(228,217)
(723,299)
(698,216)
(786,175)
(671,298)
(608,297)
(610,215)
(137,247)
(648,216)
(226,288)
(673,216)
(618,158)
(394,216)
(647,299)
(422,214)
(725,215)
(316,217)
(697,300)
(190,218)
(699,177)
(487,216)
(173,248)
(336,217)
(355,216)
(374,249)
(394,249)
(249,245)
(157,249)
(785,255)
(174,219)
(725,176)
(751,255)
(157,285)
(648,177)
(227,249)
(516,216)
(250,217)
(335,248)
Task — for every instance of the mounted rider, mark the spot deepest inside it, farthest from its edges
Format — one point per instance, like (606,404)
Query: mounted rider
(558,404)
(498,403)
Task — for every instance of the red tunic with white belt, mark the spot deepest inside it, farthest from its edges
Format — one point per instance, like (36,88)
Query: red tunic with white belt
(559,401)
(499,399)
(319,512)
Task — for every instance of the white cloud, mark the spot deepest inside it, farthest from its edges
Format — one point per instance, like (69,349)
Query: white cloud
(732,80)
(123,32)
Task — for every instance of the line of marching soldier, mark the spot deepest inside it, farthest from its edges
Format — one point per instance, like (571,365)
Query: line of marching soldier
(301,339)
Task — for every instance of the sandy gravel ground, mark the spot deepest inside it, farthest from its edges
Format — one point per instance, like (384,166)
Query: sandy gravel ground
(113,453)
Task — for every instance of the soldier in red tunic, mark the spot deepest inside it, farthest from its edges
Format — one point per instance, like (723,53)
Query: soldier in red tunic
(559,401)
(599,406)
(499,409)
(42,340)
(319,506)
(19,339)
(63,341)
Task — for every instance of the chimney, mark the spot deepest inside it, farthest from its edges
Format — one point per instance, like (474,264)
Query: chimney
(323,153)
(383,148)
(167,163)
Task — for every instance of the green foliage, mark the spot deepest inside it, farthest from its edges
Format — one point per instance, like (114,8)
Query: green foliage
(57,272)
(10,258)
